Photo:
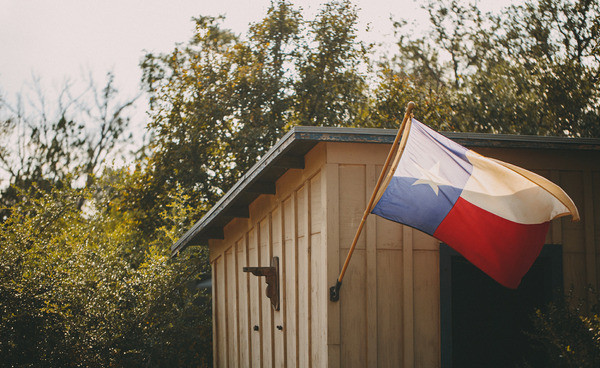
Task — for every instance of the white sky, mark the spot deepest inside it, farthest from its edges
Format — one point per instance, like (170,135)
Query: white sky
(55,39)
(59,39)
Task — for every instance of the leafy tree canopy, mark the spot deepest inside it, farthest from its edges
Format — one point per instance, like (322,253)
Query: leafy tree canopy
(60,141)
(532,69)
(220,101)
(80,289)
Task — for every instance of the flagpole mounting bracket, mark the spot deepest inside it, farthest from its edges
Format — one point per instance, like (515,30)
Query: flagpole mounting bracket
(272,279)
(334,291)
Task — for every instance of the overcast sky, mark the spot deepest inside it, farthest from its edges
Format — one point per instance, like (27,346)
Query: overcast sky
(59,39)
(55,39)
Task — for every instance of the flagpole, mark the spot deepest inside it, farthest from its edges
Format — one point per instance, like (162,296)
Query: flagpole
(334,291)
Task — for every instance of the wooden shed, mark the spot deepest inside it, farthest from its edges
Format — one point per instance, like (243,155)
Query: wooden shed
(406,300)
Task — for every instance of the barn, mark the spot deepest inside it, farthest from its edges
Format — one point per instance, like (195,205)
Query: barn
(279,237)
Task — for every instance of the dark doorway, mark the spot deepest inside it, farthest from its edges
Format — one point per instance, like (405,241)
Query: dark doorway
(484,323)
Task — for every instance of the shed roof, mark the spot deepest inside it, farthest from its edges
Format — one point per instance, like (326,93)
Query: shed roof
(289,153)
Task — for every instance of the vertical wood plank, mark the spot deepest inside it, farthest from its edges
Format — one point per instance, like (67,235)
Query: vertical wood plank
(307,220)
(303,277)
(290,281)
(255,300)
(248,298)
(221,313)
(244,307)
(215,317)
(390,309)
(408,296)
(318,269)
(279,317)
(331,236)
(266,327)
(316,204)
(354,312)
(236,309)
(334,354)
(371,175)
(352,204)
(353,303)
(226,289)
(574,274)
(573,234)
(426,309)
(309,272)
(232,315)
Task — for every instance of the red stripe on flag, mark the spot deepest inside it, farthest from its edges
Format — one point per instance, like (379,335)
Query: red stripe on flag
(503,249)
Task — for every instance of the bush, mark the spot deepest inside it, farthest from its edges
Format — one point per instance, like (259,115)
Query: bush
(84,288)
(569,333)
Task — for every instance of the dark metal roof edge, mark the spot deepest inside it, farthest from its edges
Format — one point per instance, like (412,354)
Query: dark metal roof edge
(545,141)
(283,143)
(361,135)
(367,135)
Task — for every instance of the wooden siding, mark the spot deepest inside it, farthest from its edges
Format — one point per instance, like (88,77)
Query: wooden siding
(248,331)
(389,310)
(389,313)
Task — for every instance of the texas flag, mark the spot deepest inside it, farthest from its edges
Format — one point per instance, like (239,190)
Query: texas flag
(493,213)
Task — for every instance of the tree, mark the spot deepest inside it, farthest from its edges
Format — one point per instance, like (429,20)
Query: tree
(330,89)
(62,142)
(563,54)
(82,288)
(222,100)
(568,331)
(531,70)
(80,283)
(433,68)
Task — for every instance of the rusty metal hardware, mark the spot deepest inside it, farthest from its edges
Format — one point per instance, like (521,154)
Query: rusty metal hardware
(272,278)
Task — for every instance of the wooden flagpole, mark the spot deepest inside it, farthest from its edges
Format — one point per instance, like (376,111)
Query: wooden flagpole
(334,291)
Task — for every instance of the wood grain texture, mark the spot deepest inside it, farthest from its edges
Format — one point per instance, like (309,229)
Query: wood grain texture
(371,277)
(388,313)
(408,297)
(291,277)
(255,301)
(230,307)
(426,309)
(390,308)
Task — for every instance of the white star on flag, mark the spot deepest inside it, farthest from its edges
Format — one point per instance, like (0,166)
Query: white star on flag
(431,177)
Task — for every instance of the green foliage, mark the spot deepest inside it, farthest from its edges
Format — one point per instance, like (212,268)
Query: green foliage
(395,89)
(534,69)
(569,333)
(60,141)
(80,288)
(330,89)
(219,102)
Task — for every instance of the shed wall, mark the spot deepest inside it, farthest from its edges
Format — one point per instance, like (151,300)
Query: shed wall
(248,332)
(389,310)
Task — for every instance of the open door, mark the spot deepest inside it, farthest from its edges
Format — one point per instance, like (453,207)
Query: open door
(484,324)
